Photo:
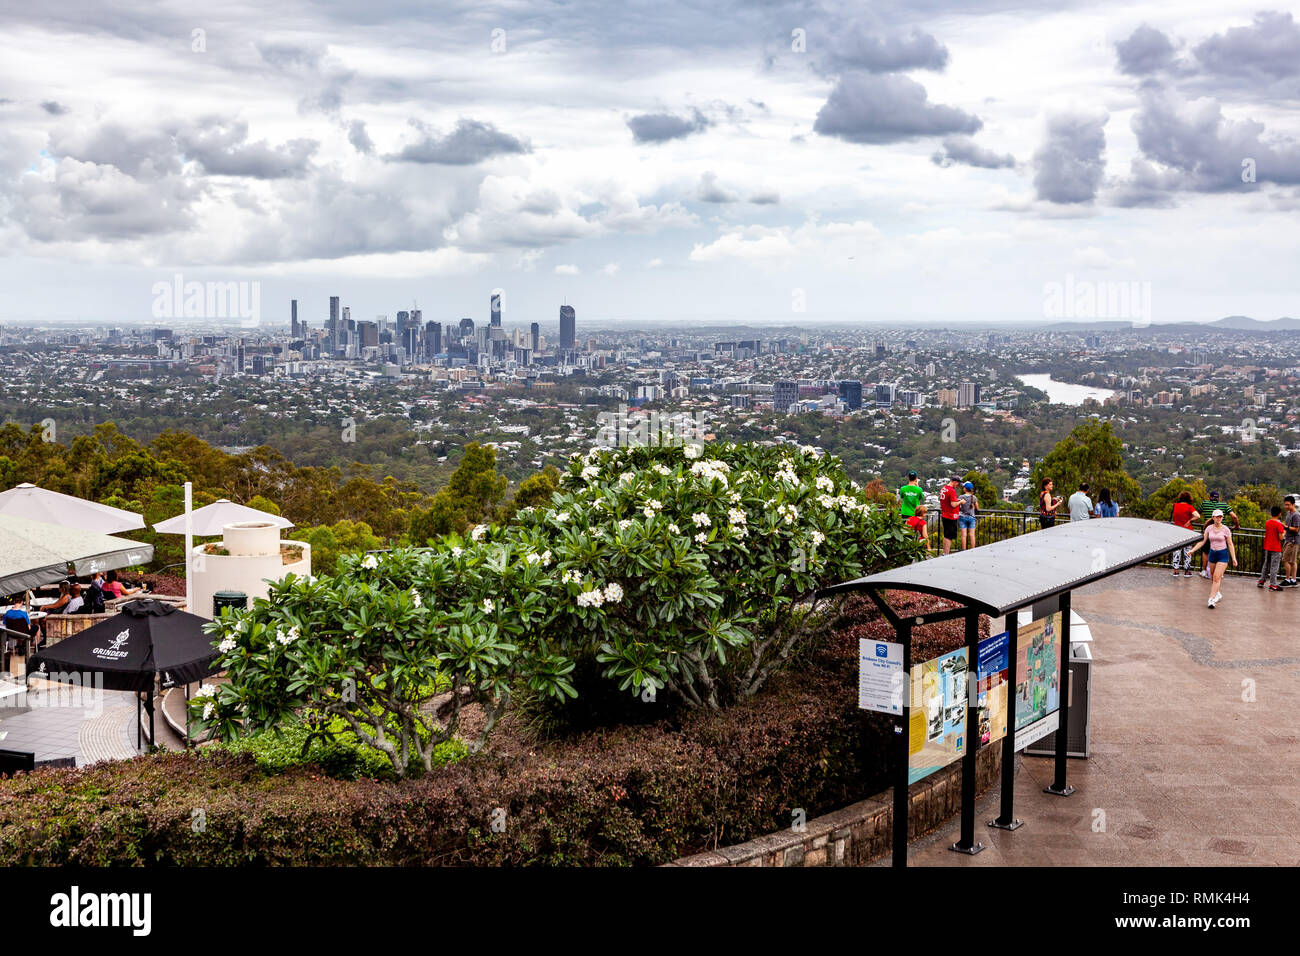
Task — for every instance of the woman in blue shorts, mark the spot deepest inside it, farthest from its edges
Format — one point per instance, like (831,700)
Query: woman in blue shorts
(1217,540)
(967,504)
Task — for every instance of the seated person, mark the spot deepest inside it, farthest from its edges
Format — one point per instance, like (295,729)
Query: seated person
(16,623)
(116,588)
(75,600)
(60,606)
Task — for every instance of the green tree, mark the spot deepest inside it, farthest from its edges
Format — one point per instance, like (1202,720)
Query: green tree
(985,493)
(534,491)
(330,542)
(1091,453)
(264,504)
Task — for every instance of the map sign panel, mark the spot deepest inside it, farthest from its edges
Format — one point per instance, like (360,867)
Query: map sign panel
(1038,691)
(991,687)
(880,676)
(937,731)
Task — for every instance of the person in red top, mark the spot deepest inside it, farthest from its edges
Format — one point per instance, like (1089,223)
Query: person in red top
(1184,514)
(1274,530)
(918,524)
(949,511)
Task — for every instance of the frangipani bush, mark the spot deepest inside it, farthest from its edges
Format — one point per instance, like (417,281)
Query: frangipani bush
(675,567)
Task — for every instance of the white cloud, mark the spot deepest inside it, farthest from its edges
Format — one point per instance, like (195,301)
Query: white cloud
(566,269)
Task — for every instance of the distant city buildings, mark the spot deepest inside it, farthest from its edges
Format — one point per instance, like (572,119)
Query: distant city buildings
(568,328)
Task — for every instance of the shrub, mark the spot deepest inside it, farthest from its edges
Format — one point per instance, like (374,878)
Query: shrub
(667,568)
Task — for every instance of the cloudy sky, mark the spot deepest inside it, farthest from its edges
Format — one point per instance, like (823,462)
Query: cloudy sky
(650,160)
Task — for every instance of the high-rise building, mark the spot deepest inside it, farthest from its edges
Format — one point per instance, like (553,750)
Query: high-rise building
(784,394)
(496,310)
(403,319)
(239,357)
(293,318)
(946,397)
(851,394)
(880,350)
(568,328)
(536,331)
(467,331)
(368,334)
(334,323)
(433,339)
(968,394)
(884,395)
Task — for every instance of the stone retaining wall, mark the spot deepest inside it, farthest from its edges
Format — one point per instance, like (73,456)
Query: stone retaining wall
(863,831)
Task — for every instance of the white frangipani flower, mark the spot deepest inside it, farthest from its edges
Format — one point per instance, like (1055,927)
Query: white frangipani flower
(370,562)
(701,519)
(488,606)
(478,532)
(613,593)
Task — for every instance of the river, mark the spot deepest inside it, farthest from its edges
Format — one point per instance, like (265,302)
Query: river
(1063,393)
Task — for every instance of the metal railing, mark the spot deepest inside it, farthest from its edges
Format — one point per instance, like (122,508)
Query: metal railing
(993,525)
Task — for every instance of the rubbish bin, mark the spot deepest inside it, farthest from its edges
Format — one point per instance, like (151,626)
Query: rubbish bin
(224,599)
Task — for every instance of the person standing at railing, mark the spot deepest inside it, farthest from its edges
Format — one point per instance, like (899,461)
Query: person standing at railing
(1291,541)
(949,512)
(1184,516)
(918,523)
(1106,508)
(910,495)
(1080,504)
(1274,530)
(1217,539)
(1047,505)
(968,504)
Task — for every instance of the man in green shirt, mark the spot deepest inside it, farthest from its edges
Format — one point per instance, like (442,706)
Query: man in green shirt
(910,495)
(1207,510)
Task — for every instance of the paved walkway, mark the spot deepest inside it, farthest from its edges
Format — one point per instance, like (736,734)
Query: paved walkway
(64,722)
(1195,737)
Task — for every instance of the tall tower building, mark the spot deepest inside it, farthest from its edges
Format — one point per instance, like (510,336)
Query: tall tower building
(467,330)
(536,331)
(433,339)
(293,318)
(784,394)
(334,323)
(496,310)
(568,328)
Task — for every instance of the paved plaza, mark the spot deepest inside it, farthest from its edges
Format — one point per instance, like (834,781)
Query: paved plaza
(1195,737)
(65,723)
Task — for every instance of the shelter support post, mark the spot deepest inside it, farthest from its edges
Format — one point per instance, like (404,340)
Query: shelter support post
(902,747)
(967,842)
(1059,785)
(1006,820)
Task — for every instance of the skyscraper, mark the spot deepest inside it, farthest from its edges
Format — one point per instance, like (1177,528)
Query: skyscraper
(403,319)
(433,339)
(293,318)
(568,328)
(784,394)
(496,310)
(851,394)
(334,322)
(536,331)
(968,394)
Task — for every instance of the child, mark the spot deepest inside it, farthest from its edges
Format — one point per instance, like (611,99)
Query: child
(918,524)
(1274,529)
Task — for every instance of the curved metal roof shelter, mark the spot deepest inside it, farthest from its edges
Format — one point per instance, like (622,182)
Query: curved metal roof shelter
(1014,573)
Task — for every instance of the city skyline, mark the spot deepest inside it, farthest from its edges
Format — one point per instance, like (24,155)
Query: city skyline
(803,163)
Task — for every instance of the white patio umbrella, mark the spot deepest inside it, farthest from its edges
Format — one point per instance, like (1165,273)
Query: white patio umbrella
(210,519)
(33,553)
(52,507)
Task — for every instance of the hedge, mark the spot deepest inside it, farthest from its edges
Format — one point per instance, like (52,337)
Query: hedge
(629,795)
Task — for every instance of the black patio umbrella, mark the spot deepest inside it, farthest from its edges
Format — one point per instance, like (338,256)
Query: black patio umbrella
(147,639)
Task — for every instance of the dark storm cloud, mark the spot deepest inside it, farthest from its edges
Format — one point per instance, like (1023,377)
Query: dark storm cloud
(887,108)
(223,149)
(1146,51)
(857,48)
(661,127)
(1070,162)
(54,108)
(1190,146)
(964,150)
(470,142)
(765,198)
(359,138)
(1268,49)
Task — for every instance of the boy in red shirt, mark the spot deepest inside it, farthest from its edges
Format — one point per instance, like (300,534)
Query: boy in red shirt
(949,511)
(918,524)
(1274,529)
